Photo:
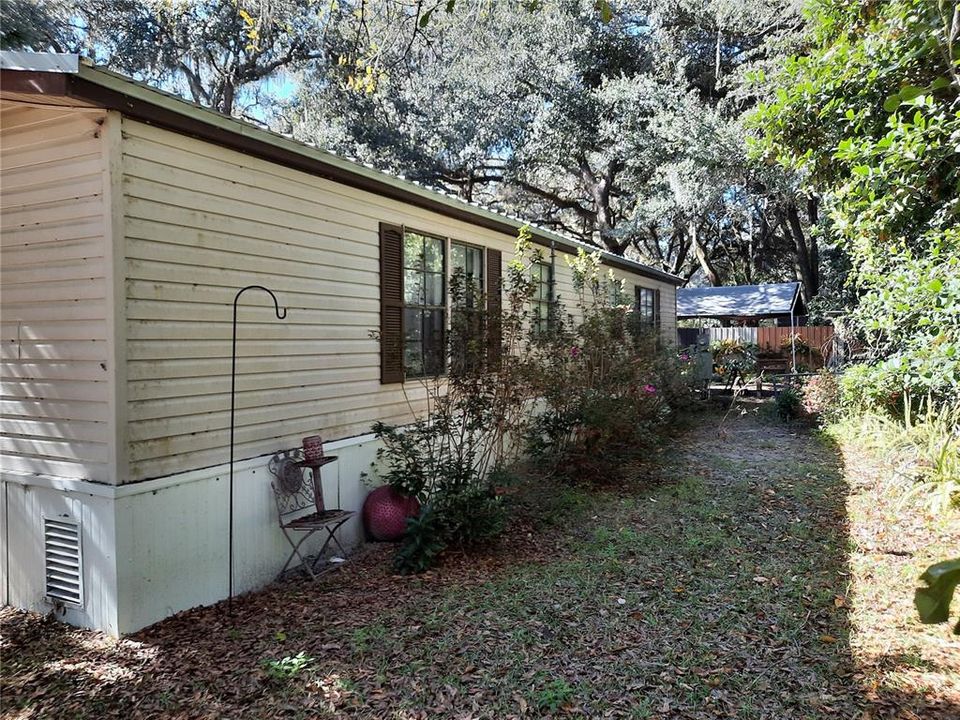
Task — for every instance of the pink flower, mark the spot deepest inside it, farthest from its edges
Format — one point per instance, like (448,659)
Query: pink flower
(574,352)
(649,389)
(684,357)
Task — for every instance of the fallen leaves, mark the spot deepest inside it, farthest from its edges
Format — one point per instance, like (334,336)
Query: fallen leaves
(715,598)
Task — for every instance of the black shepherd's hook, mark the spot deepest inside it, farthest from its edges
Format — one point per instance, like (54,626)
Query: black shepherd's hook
(281,314)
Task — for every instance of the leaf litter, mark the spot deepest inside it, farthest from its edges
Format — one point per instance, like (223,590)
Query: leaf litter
(719,584)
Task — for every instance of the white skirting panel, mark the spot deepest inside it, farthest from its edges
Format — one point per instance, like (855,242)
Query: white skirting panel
(25,508)
(172,537)
(154,548)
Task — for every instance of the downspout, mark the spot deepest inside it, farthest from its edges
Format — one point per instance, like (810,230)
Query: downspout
(553,269)
(551,317)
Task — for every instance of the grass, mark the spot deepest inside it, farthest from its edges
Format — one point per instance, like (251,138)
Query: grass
(925,458)
(746,575)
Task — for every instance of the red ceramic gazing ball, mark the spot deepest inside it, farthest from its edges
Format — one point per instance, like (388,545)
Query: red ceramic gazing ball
(385,513)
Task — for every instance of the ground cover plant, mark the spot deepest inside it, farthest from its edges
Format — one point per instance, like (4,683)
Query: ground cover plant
(753,570)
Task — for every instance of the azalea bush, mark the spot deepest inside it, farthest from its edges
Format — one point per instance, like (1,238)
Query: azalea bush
(591,385)
(605,383)
(464,434)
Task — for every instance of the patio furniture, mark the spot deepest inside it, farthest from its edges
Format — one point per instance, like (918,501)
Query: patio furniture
(300,506)
(773,365)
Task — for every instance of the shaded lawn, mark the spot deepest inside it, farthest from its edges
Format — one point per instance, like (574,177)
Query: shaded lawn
(722,582)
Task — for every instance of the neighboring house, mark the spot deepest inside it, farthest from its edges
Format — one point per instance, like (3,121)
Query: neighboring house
(130,220)
(780,303)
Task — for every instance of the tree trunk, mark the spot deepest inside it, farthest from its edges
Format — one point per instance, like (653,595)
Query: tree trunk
(713,277)
(807,255)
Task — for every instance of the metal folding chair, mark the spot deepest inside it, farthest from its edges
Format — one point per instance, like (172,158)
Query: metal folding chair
(300,508)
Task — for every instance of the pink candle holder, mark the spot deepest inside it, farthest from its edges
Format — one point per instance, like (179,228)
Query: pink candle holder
(313,448)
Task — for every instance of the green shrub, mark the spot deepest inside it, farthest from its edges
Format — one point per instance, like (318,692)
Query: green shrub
(865,387)
(788,404)
(422,543)
(821,396)
(606,384)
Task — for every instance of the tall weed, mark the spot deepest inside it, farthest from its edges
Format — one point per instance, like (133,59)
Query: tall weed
(925,458)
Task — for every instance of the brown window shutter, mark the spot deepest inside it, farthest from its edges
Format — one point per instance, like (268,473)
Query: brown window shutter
(656,308)
(494,307)
(391,303)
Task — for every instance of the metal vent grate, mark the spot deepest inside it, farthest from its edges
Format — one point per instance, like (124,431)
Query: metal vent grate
(62,560)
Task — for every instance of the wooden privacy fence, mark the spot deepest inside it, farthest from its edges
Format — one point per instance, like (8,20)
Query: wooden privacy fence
(771,340)
(818,337)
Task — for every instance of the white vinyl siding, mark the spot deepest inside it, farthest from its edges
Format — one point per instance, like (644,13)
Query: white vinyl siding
(667,311)
(56,367)
(202,221)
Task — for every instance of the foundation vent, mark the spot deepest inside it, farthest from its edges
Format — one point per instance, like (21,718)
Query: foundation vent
(63,562)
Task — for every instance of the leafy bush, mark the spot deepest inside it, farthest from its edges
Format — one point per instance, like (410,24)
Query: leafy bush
(821,396)
(865,387)
(788,404)
(868,117)
(422,543)
(605,384)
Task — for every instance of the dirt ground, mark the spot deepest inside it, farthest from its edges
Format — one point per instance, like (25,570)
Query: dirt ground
(749,569)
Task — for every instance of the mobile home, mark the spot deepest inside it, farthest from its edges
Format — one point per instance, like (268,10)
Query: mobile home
(130,219)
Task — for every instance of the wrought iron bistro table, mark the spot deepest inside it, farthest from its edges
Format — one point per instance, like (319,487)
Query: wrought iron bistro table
(300,506)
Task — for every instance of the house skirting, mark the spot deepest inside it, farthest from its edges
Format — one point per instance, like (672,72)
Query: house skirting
(153,548)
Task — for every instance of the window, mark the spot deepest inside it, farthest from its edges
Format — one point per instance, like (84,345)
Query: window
(424,305)
(467,346)
(466,263)
(647,309)
(415,326)
(542,297)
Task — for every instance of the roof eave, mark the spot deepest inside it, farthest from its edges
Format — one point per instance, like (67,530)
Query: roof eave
(734,316)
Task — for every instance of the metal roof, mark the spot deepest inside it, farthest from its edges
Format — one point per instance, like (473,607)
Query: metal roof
(136,99)
(753,301)
(39,62)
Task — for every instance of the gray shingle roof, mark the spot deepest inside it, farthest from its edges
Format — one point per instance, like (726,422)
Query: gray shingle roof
(738,301)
